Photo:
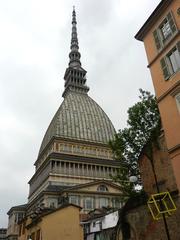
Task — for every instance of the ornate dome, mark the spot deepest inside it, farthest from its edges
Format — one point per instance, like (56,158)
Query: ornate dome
(79,117)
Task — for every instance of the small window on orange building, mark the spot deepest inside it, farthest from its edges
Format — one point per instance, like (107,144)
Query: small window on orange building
(165,31)
(170,63)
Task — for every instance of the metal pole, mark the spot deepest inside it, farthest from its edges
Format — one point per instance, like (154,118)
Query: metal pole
(158,190)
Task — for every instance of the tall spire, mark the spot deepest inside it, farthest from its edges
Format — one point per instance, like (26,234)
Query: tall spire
(74,54)
(75,75)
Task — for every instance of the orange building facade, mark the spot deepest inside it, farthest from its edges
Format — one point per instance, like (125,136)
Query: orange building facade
(161,37)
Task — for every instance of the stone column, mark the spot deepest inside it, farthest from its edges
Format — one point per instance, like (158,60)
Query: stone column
(74,169)
(60,168)
(83,170)
(69,168)
(95,171)
(104,172)
(78,169)
(66,168)
(55,167)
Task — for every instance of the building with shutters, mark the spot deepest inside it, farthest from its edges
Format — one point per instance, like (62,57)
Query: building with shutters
(75,163)
(161,37)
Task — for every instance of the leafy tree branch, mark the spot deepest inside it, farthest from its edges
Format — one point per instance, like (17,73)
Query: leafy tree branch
(143,129)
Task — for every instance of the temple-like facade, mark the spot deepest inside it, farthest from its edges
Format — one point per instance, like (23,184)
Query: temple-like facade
(75,163)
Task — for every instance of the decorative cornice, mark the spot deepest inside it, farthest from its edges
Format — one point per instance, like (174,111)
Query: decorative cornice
(38,186)
(82,159)
(102,181)
(74,159)
(171,150)
(17,208)
(70,189)
(39,170)
(68,140)
(170,91)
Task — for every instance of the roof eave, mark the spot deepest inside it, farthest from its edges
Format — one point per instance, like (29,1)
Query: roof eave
(16,208)
(152,19)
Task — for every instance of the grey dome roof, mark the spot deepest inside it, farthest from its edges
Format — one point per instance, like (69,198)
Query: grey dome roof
(79,117)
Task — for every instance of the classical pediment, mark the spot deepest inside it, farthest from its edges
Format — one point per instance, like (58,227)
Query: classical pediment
(101,186)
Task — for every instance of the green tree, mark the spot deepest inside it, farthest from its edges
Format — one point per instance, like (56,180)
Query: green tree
(143,129)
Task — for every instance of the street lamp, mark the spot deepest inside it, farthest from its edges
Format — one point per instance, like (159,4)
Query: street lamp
(133,179)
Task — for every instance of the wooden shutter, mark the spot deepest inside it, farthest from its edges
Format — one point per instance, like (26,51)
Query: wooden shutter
(178,46)
(178,98)
(178,101)
(165,68)
(157,39)
(171,22)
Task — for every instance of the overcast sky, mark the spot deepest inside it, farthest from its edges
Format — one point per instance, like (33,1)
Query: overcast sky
(34,48)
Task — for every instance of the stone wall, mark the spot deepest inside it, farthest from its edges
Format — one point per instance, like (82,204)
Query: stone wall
(143,227)
(162,168)
(138,217)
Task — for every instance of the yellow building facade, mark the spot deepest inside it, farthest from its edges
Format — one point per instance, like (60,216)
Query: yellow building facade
(61,223)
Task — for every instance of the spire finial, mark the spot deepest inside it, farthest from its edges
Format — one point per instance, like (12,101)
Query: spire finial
(75,75)
(74,54)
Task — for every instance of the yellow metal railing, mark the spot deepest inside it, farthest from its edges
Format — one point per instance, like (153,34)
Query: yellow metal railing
(161,203)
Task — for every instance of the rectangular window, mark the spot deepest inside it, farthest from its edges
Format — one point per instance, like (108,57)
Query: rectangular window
(165,31)
(170,63)
(20,216)
(174,60)
(116,203)
(103,202)
(74,199)
(89,203)
(52,202)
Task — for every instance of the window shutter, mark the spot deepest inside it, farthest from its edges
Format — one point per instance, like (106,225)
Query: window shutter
(178,101)
(165,68)
(178,98)
(178,47)
(171,22)
(157,39)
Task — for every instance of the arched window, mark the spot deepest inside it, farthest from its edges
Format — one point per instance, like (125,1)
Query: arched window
(102,188)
